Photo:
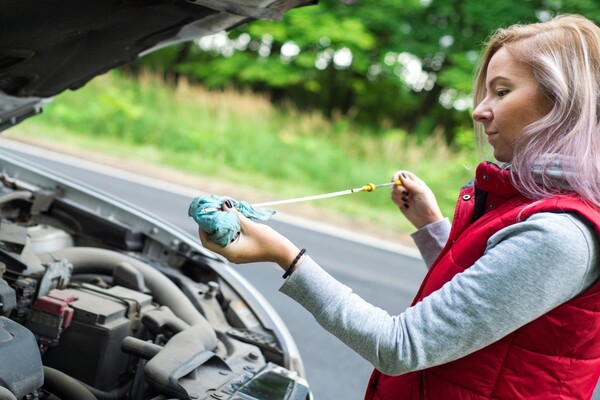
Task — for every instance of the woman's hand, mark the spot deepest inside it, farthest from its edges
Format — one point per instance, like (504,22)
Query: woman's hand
(415,200)
(256,243)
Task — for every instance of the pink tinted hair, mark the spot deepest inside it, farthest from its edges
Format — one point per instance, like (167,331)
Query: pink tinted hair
(564,55)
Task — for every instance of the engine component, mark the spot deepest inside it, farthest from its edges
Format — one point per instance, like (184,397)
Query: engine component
(56,276)
(102,319)
(118,309)
(186,367)
(44,238)
(24,373)
(8,297)
(163,321)
(272,382)
(64,386)
(50,315)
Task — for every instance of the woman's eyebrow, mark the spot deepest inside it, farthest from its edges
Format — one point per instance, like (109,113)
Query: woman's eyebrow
(497,78)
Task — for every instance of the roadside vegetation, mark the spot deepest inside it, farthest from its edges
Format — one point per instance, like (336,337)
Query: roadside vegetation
(243,139)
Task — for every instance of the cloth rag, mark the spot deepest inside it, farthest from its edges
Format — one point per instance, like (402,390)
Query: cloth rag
(221,226)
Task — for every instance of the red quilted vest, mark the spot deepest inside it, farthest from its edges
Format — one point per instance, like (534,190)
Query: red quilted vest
(556,356)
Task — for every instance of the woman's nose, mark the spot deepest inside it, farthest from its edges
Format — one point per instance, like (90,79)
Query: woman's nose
(482,113)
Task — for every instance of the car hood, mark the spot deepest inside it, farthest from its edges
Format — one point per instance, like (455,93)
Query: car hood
(49,46)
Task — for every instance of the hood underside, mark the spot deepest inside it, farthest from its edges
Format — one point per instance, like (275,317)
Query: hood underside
(49,46)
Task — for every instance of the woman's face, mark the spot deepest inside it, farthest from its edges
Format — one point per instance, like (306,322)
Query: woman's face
(512,102)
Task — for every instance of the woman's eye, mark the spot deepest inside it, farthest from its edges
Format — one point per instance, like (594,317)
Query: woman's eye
(501,92)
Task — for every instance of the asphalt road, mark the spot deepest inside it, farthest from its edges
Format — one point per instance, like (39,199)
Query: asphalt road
(383,274)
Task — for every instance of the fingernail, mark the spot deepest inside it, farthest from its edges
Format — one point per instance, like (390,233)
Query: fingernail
(405,199)
(404,175)
(405,205)
(405,193)
(228,204)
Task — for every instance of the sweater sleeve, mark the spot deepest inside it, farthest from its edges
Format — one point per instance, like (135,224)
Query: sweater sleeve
(509,286)
(431,239)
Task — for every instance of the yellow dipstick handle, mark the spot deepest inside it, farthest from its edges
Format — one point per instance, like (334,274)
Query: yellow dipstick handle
(371,187)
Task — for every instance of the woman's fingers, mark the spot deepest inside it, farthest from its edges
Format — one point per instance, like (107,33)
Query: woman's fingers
(415,199)
(401,193)
(206,242)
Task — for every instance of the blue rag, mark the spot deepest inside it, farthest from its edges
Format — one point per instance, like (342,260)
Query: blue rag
(221,226)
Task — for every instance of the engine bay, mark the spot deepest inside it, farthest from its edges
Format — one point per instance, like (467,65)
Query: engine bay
(98,302)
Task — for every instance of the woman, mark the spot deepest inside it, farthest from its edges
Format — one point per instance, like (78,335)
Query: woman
(510,307)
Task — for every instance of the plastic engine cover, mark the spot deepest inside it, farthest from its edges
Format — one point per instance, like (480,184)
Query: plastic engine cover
(21,369)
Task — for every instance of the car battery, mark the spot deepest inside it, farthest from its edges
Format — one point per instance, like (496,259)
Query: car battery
(90,348)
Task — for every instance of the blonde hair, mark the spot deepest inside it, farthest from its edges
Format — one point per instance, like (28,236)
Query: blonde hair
(564,56)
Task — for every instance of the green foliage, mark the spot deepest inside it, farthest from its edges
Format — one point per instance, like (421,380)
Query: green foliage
(412,60)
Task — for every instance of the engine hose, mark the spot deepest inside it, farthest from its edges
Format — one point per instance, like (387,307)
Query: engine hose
(6,394)
(164,291)
(64,386)
(119,393)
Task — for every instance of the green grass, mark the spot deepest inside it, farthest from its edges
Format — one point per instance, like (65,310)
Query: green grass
(242,138)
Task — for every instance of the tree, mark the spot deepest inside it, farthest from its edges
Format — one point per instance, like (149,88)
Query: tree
(406,63)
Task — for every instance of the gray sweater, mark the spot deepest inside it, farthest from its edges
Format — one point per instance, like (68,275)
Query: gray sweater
(528,269)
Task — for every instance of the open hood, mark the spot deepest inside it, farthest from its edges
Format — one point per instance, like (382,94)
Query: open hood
(49,46)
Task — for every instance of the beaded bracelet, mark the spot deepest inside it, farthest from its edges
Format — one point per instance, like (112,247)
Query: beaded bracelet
(293,265)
